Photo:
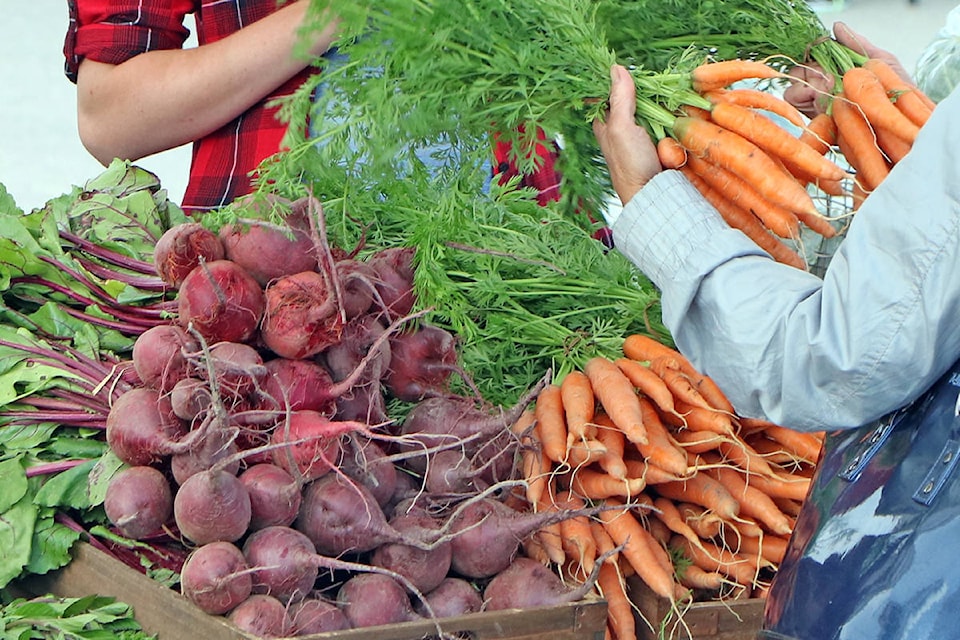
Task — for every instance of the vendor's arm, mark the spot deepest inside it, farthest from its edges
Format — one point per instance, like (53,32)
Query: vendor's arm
(784,344)
(162,99)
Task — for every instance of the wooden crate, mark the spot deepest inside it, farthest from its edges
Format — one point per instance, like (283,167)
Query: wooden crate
(729,620)
(164,612)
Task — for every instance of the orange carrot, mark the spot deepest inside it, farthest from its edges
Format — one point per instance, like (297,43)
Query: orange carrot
(695,577)
(768,547)
(705,490)
(651,473)
(709,389)
(753,502)
(781,485)
(535,466)
(694,442)
(705,523)
(913,102)
(820,133)
(746,457)
(757,99)
(578,541)
(661,449)
(745,221)
(551,423)
(613,588)
(603,542)
(779,220)
(585,451)
(597,485)
(648,383)
(700,419)
(638,549)
(858,144)
(667,512)
(805,445)
(894,147)
(717,75)
(774,139)
(579,403)
(732,151)
(789,506)
(862,87)
(551,536)
(617,396)
(670,153)
(613,442)
(711,557)
(644,348)
(668,368)
(533,548)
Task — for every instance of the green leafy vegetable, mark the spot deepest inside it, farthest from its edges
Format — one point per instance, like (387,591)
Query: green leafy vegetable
(86,618)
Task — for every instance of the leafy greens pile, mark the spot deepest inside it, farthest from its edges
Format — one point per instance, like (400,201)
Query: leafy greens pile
(75,290)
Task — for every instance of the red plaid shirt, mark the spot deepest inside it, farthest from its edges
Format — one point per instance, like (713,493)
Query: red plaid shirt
(112,31)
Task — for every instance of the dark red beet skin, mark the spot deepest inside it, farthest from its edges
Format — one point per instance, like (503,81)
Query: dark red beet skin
(181,248)
(221,301)
(215,577)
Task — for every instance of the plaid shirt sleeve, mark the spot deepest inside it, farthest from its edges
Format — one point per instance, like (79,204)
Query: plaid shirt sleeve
(113,31)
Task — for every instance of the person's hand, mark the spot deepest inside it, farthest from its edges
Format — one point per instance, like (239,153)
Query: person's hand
(811,91)
(630,153)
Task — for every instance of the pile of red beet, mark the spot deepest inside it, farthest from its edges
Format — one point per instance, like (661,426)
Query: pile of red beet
(259,436)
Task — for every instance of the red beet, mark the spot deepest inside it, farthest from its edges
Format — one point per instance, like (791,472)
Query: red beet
(314,615)
(284,562)
(181,248)
(142,428)
(301,316)
(364,461)
(274,496)
(216,578)
(212,505)
(138,501)
(221,301)
(526,584)
(190,398)
(424,569)
(363,338)
(394,270)
(160,356)
(269,251)
(213,446)
(297,384)
(452,597)
(421,363)
(314,443)
(371,600)
(238,369)
(487,534)
(357,284)
(340,516)
(261,615)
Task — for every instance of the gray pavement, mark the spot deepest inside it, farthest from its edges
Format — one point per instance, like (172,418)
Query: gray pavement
(41,156)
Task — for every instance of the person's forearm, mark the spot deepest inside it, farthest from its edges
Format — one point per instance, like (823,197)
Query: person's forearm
(159,100)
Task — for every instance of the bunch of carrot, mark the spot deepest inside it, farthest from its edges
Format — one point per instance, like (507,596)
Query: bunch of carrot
(877,116)
(697,502)
(758,173)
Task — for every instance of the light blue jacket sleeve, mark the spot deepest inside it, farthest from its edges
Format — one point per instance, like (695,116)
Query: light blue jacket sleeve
(809,353)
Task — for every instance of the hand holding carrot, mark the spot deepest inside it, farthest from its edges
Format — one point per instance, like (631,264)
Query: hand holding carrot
(811,91)
(630,153)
